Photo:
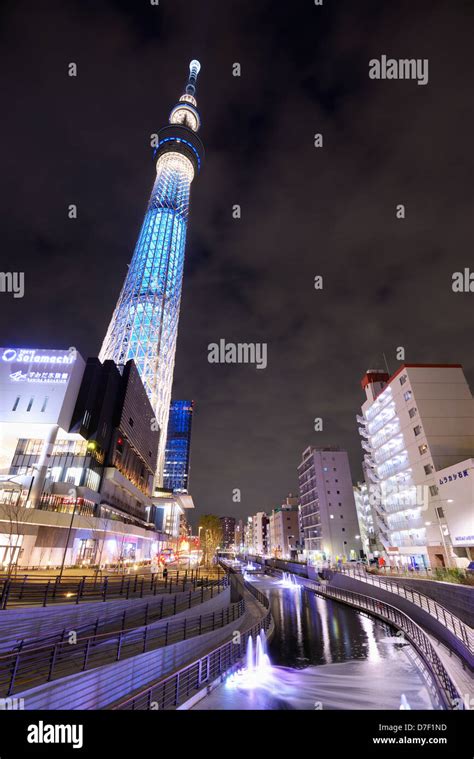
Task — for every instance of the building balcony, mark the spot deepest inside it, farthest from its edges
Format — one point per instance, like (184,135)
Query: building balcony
(386,416)
(405,523)
(390,470)
(382,402)
(385,454)
(377,441)
(408,543)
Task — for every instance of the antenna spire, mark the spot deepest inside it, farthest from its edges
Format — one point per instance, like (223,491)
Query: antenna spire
(194,69)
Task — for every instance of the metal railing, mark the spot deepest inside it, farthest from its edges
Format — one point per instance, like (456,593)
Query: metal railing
(175,690)
(446,690)
(43,591)
(449,620)
(31,666)
(445,687)
(132,616)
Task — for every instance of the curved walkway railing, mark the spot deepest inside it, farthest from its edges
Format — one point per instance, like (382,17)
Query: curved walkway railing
(154,611)
(447,691)
(44,591)
(462,631)
(178,688)
(32,666)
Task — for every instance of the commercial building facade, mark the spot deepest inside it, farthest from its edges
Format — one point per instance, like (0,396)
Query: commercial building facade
(78,456)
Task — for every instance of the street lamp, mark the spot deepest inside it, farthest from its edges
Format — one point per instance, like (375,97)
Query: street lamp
(68,534)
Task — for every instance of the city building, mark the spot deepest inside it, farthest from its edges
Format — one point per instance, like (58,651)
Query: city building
(455,512)
(415,425)
(228,531)
(364,517)
(144,325)
(239,535)
(328,511)
(78,455)
(248,536)
(178,446)
(260,533)
(284,530)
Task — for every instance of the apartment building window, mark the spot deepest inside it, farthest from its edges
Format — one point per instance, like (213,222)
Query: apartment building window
(440,512)
(403,379)
(15,405)
(434,490)
(423,448)
(417,430)
(408,395)
(428,468)
(412,412)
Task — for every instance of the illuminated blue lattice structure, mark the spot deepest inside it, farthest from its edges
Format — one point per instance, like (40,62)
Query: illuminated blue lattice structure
(178,446)
(144,325)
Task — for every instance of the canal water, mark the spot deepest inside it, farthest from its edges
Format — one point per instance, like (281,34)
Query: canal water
(325,655)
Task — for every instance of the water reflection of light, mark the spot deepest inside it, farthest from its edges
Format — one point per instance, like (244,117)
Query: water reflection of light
(373,654)
(324,617)
(299,624)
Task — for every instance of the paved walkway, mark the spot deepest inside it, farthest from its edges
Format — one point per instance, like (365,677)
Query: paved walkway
(462,678)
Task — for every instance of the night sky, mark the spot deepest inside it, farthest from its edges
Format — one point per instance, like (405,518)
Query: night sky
(306,211)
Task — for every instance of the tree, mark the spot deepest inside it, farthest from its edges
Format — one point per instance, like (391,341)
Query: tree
(210,532)
(17,516)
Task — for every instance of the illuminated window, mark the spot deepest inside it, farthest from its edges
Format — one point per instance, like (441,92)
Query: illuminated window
(423,448)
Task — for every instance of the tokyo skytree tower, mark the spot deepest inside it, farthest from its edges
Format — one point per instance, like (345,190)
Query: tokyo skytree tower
(144,325)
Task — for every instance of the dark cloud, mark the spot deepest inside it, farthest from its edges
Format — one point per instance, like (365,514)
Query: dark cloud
(304,211)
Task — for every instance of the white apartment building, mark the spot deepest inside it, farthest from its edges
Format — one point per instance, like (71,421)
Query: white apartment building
(413,424)
(364,517)
(259,533)
(283,530)
(328,511)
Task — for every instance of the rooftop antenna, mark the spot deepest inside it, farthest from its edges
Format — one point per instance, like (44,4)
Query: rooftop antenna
(194,69)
